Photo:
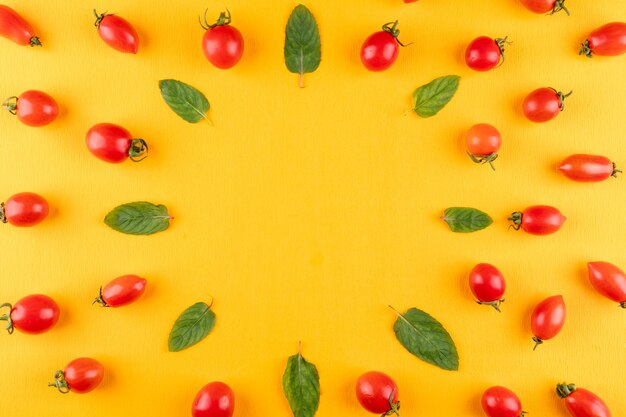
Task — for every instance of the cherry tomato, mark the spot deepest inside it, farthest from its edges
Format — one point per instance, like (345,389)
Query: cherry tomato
(538,220)
(483,142)
(487,285)
(33,108)
(222,43)
(113,143)
(32,314)
(121,291)
(81,376)
(588,168)
(581,402)
(117,32)
(484,53)
(545,6)
(548,319)
(14,27)
(380,49)
(24,210)
(501,402)
(608,280)
(544,104)
(410,1)
(378,393)
(607,40)
(215,399)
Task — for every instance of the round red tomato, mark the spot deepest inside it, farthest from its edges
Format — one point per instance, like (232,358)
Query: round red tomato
(608,280)
(538,220)
(14,27)
(222,43)
(581,402)
(113,143)
(483,142)
(547,319)
(121,291)
(608,40)
(484,53)
(33,108)
(588,168)
(545,6)
(117,32)
(380,49)
(501,402)
(81,376)
(487,285)
(544,104)
(378,393)
(215,399)
(24,210)
(32,314)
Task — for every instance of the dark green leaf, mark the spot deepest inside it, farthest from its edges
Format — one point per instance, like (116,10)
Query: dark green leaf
(432,97)
(466,219)
(301,385)
(193,325)
(302,43)
(139,218)
(185,100)
(426,338)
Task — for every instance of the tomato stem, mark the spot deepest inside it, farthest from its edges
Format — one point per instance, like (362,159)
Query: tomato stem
(99,17)
(615,170)
(7,317)
(392,29)
(10,104)
(558,6)
(562,98)
(564,389)
(393,407)
(34,41)
(138,150)
(495,304)
(585,49)
(481,159)
(622,304)
(516,218)
(537,341)
(501,42)
(3,217)
(100,300)
(60,383)
(223,20)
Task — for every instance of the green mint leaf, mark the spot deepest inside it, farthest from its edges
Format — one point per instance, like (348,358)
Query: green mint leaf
(139,218)
(187,102)
(302,43)
(426,338)
(193,325)
(466,219)
(432,97)
(301,385)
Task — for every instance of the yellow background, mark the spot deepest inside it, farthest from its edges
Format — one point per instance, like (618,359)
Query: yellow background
(305,212)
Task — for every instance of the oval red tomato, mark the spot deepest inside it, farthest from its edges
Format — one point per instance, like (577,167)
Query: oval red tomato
(545,6)
(483,143)
(24,210)
(538,220)
(608,280)
(501,402)
(16,28)
(488,285)
(581,402)
(485,53)
(588,168)
(215,399)
(222,43)
(548,319)
(33,314)
(112,143)
(607,40)
(33,108)
(117,32)
(80,376)
(544,104)
(378,393)
(380,49)
(121,291)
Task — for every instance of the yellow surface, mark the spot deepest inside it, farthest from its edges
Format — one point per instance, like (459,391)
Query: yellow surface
(305,212)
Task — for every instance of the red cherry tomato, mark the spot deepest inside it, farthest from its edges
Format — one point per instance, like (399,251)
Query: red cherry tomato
(545,6)
(380,49)
(14,27)
(117,32)
(215,399)
(483,142)
(378,393)
(548,319)
(544,104)
(538,220)
(24,210)
(581,402)
(33,108)
(607,40)
(81,376)
(222,43)
(588,168)
(608,280)
(410,1)
(501,402)
(487,285)
(114,144)
(484,53)
(121,291)
(32,314)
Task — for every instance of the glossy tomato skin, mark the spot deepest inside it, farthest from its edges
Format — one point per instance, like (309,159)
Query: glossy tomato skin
(122,291)
(36,108)
(215,399)
(487,284)
(588,168)
(548,318)
(377,393)
(608,280)
(379,51)
(223,46)
(35,314)
(545,6)
(484,53)
(83,375)
(118,33)
(581,402)
(25,209)
(543,105)
(16,28)
(538,220)
(607,40)
(112,143)
(501,402)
